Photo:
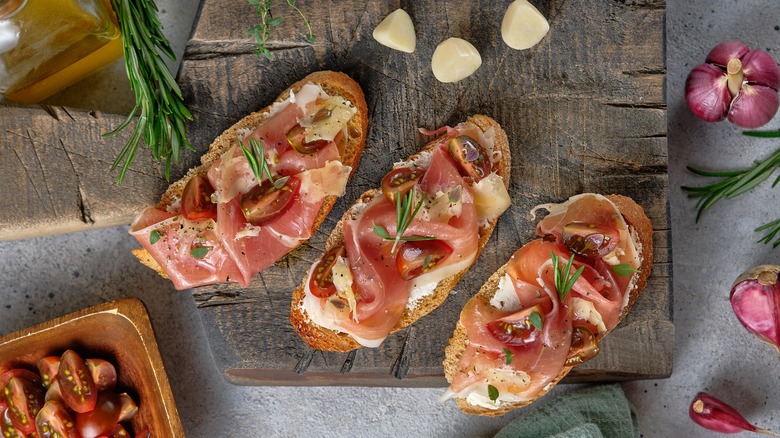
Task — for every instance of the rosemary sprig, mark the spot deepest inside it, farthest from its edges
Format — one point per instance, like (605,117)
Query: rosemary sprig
(255,156)
(563,280)
(262,31)
(762,134)
(157,96)
(772,228)
(405,211)
(731,183)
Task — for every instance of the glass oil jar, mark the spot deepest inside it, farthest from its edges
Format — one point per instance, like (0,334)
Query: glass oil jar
(48,45)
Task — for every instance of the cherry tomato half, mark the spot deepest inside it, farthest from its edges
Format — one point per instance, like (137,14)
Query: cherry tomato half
(400,181)
(48,367)
(119,432)
(7,427)
(417,258)
(54,393)
(76,385)
(19,372)
(54,420)
(584,346)
(321,283)
(127,407)
(265,203)
(103,373)
(516,330)
(25,398)
(470,156)
(590,240)
(101,420)
(196,202)
(297,138)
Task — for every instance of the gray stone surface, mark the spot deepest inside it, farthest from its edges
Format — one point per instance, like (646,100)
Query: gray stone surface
(47,277)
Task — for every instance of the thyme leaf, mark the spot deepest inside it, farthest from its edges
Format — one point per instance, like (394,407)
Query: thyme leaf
(508,356)
(492,393)
(536,320)
(624,270)
(262,31)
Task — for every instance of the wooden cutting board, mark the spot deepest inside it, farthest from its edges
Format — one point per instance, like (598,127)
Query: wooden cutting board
(584,112)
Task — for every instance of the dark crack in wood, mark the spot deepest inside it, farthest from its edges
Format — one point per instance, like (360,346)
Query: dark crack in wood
(84,208)
(304,362)
(348,362)
(404,360)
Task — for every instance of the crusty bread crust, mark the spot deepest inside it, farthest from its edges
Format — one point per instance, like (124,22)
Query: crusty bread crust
(325,339)
(636,219)
(335,84)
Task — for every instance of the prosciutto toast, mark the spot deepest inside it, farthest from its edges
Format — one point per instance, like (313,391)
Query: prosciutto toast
(502,357)
(220,224)
(367,285)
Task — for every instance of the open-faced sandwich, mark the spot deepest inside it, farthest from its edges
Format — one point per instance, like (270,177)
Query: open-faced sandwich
(399,250)
(265,186)
(545,310)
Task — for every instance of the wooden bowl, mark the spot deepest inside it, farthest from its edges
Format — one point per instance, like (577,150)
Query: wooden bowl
(118,331)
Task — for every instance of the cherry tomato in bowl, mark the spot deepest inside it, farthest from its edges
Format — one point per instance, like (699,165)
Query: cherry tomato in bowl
(55,420)
(77,387)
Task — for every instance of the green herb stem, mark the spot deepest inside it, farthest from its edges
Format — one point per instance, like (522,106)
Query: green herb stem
(564,279)
(159,101)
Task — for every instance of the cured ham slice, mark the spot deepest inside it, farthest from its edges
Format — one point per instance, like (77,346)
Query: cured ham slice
(539,353)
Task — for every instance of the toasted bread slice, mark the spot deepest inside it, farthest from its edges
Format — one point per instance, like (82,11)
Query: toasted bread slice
(643,237)
(333,83)
(326,339)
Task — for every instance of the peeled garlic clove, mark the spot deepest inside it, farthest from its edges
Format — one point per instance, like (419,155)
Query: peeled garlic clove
(713,414)
(523,25)
(754,106)
(397,32)
(707,93)
(455,59)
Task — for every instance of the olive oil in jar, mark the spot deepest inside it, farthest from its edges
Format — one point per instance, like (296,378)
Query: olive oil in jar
(47,45)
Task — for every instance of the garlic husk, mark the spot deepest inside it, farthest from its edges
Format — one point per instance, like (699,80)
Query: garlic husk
(754,106)
(726,51)
(755,299)
(761,69)
(706,93)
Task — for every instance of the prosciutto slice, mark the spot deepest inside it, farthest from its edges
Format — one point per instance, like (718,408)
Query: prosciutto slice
(530,276)
(236,249)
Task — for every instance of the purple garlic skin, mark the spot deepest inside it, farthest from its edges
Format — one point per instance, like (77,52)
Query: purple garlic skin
(737,83)
(755,298)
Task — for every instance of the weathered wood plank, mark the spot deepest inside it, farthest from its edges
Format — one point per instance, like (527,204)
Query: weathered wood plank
(584,111)
(54,170)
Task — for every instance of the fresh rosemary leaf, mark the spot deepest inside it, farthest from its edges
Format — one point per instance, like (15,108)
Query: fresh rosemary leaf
(159,102)
(762,134)
(773,228)
(255,156)
(564,279)
(405,211)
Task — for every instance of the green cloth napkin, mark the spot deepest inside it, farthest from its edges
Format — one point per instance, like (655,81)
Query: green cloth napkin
(600,411)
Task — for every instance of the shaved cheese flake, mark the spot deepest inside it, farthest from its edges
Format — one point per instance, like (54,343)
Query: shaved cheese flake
(326,120)
(505,297)
(248,231)
(330,180)
(585,310)
(490,197)
(342,279)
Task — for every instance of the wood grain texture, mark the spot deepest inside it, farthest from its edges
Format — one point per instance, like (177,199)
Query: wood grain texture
(55,172)
(584,112)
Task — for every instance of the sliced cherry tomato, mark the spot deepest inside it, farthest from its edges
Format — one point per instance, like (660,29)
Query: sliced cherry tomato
(265,203)
(143,434)
(48,367)
(127,407)
(119,432)
(55,421)
(102,419)
(25,398)
(196,202)
(54,393)
(470,156)
(76,385)
(321,283)
(400,181)
(19,372)
(417,258)
(7,427)
(584,346)
(297,138)
(590,240)
(103,373)
(517,329)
